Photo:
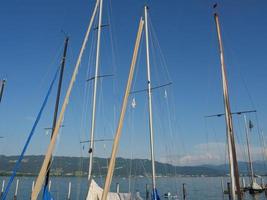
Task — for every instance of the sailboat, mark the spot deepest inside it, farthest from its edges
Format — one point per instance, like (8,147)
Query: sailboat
(154,195)
(254,186)
(94,191)
(17,165)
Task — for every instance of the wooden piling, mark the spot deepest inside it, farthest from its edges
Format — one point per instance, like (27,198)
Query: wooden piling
(184,192)
(69,192)
(147,191)
(16,190)
(229,190)
(3,187)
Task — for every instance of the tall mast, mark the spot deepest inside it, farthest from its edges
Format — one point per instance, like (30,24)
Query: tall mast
(63,61)
(42,173)
(150,106)
(229,123)
(249,155)
(123,111)
(91,151)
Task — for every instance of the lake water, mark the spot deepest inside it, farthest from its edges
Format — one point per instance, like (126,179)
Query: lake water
(197,188)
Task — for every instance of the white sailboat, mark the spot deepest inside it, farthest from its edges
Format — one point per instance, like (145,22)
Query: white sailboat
(94,191)
(254,186)
(154,194)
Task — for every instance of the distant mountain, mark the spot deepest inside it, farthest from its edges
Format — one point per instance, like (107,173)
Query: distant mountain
(260,167)
(76,166)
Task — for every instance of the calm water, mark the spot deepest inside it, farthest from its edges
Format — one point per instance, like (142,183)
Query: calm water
(198,188)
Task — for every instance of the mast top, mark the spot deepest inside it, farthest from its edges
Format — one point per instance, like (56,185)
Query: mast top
(65,34)
(215,8)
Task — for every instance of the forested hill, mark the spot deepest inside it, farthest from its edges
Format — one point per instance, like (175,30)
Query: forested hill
(76,166)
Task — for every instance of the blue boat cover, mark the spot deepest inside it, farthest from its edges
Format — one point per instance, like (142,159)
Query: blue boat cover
(47,195)
(155,195)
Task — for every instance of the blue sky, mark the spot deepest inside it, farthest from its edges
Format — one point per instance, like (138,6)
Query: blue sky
(31,46)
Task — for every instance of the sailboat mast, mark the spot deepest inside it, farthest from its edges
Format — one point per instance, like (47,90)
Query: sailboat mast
(94,92)
(249,155)
(57,99)
(150,105)
(117,136)
(42,173)
(229,123)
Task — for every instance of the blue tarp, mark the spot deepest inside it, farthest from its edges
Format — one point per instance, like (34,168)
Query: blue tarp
(47,195)
(155,195)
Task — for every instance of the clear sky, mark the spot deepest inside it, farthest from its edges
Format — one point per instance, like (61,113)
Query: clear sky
(31,44)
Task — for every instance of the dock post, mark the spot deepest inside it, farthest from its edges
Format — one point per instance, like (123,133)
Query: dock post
(33,184)
(69,192)
(3,187)
(229,190)
(222,185)
(147,192)
(262,182)
(49,185)
(184,192)
(16,191)
(243,183)
(117,187)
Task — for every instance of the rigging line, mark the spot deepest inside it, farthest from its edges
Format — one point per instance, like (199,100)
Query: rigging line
(114,62)
(163,59)
(237,66)
(261,140)
(50,67)
(152,88)
(131,125)
(264,148)
(138,61)
(85,102)
(56,148)
(113,43)
(169,122)
(17,165)
(216,138)
(242,139)
(237,137)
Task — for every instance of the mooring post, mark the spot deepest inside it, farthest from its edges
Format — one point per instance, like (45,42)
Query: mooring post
(3,187)
(49,185)
(243,182)
(147,192)
(16,191)
(184,192)
(229,190)
(222,185)
(117,187)
(33,184)
(69,192)
(262,182)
